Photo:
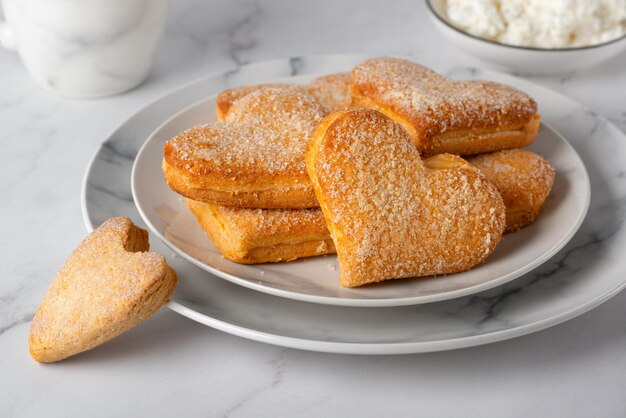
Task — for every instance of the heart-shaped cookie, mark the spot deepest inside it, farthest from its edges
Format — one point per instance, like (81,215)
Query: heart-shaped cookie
(108,285)
(389,215)
(254,159)
(443,115)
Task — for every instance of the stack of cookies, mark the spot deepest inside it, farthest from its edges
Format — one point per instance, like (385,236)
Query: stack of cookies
(365,164)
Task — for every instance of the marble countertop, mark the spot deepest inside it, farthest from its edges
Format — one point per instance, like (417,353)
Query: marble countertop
(171,365)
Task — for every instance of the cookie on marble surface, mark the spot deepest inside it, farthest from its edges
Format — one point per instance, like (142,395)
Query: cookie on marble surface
(109,284)
(390,215)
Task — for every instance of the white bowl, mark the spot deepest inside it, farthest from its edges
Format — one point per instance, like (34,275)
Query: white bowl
(527,60)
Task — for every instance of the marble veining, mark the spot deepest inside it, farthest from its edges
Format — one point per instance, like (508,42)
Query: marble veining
(560,265)
(277,364)
(118,148)
(23,319)
(185,369)
(240,36)
(296,64)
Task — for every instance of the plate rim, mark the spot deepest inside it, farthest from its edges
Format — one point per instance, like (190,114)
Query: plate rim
(354,348)
(356,302)
(385,348)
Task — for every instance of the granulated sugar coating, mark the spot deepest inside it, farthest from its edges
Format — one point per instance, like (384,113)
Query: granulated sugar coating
(108,285)
(254,158)
(524,180)
(252,236)
(265,132)
(251,224)
(390,216)
(226,98)
(434,104)
(331,91)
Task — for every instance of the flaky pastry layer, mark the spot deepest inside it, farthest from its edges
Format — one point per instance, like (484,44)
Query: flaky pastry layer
(256,194)
(255,158)
(251,236)
(524,180)
(443,115)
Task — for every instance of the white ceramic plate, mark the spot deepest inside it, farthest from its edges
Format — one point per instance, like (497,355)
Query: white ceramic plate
(587,271)
(316,279)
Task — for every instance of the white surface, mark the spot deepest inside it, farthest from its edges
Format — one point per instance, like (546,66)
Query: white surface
(173,366)
(316,279)
(85,48)
(523,59)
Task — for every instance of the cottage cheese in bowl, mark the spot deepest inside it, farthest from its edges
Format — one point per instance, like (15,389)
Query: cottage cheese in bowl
(541,23)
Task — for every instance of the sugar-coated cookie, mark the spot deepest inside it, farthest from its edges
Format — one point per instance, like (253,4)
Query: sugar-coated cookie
(254,159)
(251,236)
(109,284)
(226,98)
(332,91)
(524,180)
(443,115)
(389,215)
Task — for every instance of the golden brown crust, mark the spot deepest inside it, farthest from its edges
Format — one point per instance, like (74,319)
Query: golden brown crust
(109,284)
(389,215)
(524,180)
(260,195)
(253,159)
(447,161)
(442,115)
(332,91)
(226,98)
(251,236)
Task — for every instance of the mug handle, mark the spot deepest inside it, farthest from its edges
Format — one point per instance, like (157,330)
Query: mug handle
(7,38)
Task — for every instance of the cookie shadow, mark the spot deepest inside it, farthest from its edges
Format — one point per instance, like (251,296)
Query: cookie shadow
(166,331)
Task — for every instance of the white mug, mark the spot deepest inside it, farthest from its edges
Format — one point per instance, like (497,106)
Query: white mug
(85,48)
